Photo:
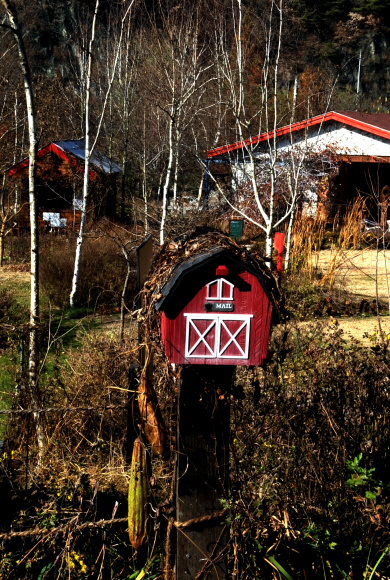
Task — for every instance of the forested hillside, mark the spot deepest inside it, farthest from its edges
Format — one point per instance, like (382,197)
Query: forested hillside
(320,45)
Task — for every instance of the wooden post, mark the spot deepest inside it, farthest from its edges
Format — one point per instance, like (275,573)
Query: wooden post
(144,260)
(216,314)
(202,470)
(133,411)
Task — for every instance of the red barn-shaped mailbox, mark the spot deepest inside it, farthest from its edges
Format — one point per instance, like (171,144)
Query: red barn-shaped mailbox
(216,310)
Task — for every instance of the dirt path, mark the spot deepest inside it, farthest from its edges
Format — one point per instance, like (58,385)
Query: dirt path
(358,327)
(7,275)
(357,270)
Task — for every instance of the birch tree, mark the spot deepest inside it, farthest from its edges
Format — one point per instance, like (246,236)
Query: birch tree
(264,119)
(34,280)
(89,149)
(126,90)
(180,69)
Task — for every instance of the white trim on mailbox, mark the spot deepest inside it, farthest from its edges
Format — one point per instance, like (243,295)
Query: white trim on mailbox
(218,321)
(220,282)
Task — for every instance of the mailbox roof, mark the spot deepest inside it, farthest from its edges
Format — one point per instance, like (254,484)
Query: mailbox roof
(218,255)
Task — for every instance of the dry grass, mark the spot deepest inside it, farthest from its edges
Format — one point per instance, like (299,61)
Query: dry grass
(8,274)
(90,442)
(314,398)
(357,271)
(364,330)
(306,241)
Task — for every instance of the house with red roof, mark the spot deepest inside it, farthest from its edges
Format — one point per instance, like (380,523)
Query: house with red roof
(59,182)
(359,141)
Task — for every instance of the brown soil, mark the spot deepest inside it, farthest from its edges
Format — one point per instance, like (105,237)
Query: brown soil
(355,270)
(357,328)
(358,271)
(15,277)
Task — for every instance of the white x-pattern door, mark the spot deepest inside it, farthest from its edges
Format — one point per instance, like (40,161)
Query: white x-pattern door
(217,335)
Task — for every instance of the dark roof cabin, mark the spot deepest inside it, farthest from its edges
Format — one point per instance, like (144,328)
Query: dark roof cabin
(59,182)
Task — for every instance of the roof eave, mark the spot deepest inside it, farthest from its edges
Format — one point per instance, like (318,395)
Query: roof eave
(198,261)
(63,153)
(319,119)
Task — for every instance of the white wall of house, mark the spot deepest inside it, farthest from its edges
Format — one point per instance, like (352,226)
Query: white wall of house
(343,140)
(241,173)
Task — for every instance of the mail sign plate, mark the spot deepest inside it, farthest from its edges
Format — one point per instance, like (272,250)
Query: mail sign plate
(219,307)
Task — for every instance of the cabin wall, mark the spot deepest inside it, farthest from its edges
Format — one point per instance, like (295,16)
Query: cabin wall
(356,175)
(341,139)
(59,191)
(365,179)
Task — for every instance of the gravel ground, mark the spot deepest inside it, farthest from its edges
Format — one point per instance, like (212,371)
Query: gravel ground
(357,270)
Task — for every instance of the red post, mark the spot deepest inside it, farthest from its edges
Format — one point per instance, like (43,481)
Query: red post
(279,243)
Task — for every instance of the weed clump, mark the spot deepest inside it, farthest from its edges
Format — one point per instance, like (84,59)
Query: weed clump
(102,272)
(310,455)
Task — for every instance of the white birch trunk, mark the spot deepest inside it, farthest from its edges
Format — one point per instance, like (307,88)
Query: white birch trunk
(175,174)
(89,150)
(268,222)
(200,190)
(167,178)
(144,186)
(34,275)
(160,184)
(295,96)
(126,117)
(124,290)
(288,241)
(80,236)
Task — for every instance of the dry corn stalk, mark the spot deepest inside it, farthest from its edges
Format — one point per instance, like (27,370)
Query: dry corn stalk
(152,423)
(307,238)
(138,496)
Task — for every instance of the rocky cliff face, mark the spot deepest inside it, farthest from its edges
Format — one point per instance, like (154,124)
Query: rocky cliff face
(369,36)
(334,33)
(57,32)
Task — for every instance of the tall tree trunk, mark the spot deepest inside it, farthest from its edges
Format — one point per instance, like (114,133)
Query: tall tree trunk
(124,169)
(123,296)
(89,150)
(80,236)
(288,243)
(34,305)
(144,188)
(126,117)
(1,246)
(167,178)
(175,174)
(200,190)
(160,184)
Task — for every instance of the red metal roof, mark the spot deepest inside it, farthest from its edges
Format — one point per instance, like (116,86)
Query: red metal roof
(374,123)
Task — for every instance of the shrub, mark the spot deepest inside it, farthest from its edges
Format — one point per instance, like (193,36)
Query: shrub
(102,272)
(310,457)
(17,248)
(12,315)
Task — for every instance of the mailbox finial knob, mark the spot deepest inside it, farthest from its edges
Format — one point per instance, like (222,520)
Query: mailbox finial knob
(222,271)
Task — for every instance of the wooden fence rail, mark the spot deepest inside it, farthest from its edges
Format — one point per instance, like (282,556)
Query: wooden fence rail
(61,409)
